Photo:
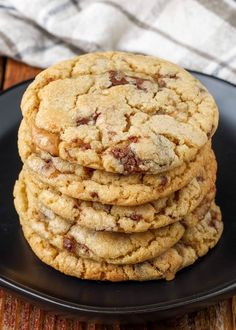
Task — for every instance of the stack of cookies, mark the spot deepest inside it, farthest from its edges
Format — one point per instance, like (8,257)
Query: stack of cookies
(118,181)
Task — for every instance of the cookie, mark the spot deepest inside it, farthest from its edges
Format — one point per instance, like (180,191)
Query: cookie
(109,188)
(128,219)
(114,248)
(120,113)
(204,236)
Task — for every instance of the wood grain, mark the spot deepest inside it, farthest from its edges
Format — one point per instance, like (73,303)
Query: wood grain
(16,72)
(2,65)
(18,314)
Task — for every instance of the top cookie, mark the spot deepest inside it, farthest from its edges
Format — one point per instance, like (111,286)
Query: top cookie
(120,112)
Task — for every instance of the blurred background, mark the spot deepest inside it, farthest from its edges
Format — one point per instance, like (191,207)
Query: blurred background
(197,34)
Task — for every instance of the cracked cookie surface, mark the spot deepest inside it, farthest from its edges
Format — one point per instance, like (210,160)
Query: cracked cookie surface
(107,188)
(120,112)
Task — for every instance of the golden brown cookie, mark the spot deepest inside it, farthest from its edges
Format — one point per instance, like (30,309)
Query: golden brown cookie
(109,188)
(128,219)
(114,248)
(120,112)
(195,243)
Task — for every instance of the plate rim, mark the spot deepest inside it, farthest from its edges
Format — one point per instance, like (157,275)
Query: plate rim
(219,291)
(176,304)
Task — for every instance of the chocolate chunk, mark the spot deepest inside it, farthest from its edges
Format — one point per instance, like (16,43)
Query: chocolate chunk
(128,159)
(93,194)
(184,224)
(133,139)
(82,121)
(212,223)
(164,180)
(200,178)
(88,171)
(214,215)
(136,216)
(172,76)
(69,244)
(117,78)
(86,120)
(159,78)
(176,195)
(139,83)
(76,206)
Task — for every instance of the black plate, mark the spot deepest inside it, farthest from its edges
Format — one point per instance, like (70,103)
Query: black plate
(212,277)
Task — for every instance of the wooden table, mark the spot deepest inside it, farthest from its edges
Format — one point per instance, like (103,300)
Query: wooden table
(18,314)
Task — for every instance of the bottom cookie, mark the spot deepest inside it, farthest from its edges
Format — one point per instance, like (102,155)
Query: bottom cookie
(195,242)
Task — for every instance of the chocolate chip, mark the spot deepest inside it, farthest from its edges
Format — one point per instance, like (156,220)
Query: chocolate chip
(172,76)
(127,158)
(164,180)
(88,171)
(133,139)
(214,215)
(117,78)
(135,216)
(85,146)
(82,121)
(176,196)
(184,224)
(139,83)
(91,119)
(200,178)
(212,223)
(93,194)
(69,244)
(159,78)
(76,206)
